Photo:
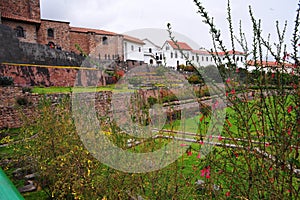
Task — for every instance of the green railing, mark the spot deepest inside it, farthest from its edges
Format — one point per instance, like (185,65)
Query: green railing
(7,189)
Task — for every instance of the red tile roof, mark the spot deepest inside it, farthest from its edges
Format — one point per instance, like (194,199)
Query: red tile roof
(181,45)
(201,52)
(19,18)
(268,63)
(90,30)
(133,39)
(229,53)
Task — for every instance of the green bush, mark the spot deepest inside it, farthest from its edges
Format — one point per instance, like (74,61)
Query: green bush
(6,81)
(23,101)
(152,100)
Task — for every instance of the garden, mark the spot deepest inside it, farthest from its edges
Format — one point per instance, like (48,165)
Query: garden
(241,141)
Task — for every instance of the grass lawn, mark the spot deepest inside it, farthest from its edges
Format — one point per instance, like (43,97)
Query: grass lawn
(53,90)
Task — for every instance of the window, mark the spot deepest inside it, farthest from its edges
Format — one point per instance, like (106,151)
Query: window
(207,59)
(105,40)
(140,49)
(197,58)
(211,59)
(202,58)
(50,32)
(167,48)
(241,59)
(193,58)
(132,48)
(150,50)
(176,54)
(237,59)
(171,54)
(108,57)
(105,57)
(20,31)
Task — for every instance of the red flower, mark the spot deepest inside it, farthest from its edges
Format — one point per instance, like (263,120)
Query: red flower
(205,172)
(236,154)
(289,131)
(201,142)
(227,194)
(215,105)
(233,91)
(220,138)
(228,80)
(267,144)
(199,155)
(189,153)
(183,145)
(273,75)
(290,108)
(226,94)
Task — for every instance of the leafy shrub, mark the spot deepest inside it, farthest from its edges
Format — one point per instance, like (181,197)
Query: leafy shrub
(152,100)
(23,101)
(26,89)
(6,81)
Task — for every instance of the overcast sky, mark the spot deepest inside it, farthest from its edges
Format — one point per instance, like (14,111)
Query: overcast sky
(127,15)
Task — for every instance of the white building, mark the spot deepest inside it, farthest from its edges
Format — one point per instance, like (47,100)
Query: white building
(202,58)
(152,53)
(236,57)
(133,49)
(174,54)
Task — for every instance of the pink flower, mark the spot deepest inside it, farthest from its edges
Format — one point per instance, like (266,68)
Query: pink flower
(199,155)
(289,131)
(237,70)
(215,105)
(290,108)
(227,194)
(226,94)
(220,138)
(189,153)
(205,172)
(232,91)
(270,168)
(228,80)
(273,75)
(236,154)
(267,144)
(183,145)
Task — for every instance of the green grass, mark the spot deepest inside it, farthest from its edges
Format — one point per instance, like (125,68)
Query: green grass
(53,90)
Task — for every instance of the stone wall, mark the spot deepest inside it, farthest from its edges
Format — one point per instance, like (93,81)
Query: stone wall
(52,76)
(28,9)
(12,115)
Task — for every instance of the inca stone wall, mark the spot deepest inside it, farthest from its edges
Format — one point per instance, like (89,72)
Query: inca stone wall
(13,115)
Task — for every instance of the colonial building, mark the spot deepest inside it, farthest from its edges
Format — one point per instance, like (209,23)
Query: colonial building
(152,53)
(176,54)
(23,16)
(133,51)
